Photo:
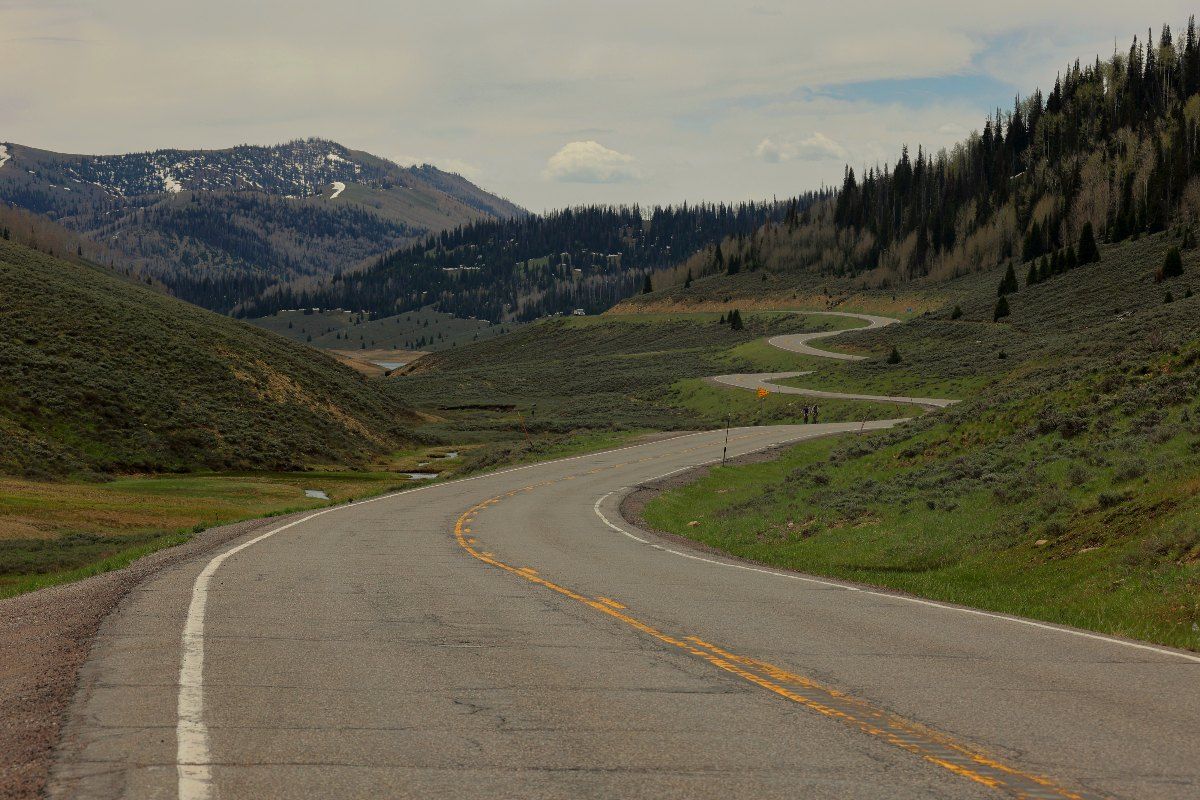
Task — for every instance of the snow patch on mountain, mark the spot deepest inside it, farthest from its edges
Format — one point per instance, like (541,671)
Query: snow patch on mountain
(338,188)
(169,183)
(4,156)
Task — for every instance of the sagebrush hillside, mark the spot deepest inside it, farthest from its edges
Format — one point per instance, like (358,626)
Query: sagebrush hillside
(1061,487)
(422,330)
(100,374)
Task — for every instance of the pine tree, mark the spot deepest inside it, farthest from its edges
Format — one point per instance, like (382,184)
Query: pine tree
(1070,261)
(1173,264)
(647,286)
(722,319)
(1008,284)
(1044,270)
(1032,247)
(956,313)
(1088,253)
(735,320)
(735,265)
(894,356)
(1002,309)
(687,282)
(1032,277)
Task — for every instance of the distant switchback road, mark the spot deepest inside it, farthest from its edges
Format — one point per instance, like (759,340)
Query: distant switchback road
(509,636)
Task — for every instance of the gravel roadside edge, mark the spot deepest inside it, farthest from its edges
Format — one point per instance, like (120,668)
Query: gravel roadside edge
(46,636)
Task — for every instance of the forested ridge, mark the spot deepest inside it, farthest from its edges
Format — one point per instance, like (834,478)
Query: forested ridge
(1114,143)
(588,257)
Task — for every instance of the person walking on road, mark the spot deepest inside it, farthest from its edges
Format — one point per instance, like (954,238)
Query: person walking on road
(816,412)
(806,415)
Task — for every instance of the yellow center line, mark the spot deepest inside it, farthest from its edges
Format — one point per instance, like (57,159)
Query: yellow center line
(931,745)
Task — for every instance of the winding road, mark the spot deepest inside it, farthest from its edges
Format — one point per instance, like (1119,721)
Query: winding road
(510,636)
(799,343)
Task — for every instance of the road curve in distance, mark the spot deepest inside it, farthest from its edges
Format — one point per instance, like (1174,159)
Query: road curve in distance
(799,342)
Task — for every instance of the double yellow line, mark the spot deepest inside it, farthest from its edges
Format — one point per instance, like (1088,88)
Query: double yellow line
(928,744)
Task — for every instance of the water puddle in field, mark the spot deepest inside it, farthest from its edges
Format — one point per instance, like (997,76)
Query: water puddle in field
(316,494)
(389,364)
(420,476)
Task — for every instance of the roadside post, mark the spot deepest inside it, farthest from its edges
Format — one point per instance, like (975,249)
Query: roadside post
(528,438)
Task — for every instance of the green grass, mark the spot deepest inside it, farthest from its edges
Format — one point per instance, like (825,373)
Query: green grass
(1064,487)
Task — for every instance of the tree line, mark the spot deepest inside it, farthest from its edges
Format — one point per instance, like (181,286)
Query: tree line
(588,257)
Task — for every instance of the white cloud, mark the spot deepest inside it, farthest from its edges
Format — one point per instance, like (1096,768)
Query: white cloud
(817,147)
(590,162)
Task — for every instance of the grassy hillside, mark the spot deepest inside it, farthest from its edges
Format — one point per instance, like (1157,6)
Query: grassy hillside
(99,374)
(425,329)
(1063,487)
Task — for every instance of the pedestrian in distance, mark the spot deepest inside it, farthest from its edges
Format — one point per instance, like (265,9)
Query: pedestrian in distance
(806,415)
(816,413)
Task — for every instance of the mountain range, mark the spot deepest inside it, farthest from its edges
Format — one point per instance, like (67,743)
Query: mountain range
(220,226)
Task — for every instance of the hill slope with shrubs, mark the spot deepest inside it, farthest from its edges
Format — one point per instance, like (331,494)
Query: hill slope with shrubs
(1062,487)
(99,374)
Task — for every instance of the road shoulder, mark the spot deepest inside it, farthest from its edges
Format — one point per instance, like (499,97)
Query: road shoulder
(46,637)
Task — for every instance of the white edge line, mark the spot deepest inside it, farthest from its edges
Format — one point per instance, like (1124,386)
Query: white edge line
(889,595)
(193,758)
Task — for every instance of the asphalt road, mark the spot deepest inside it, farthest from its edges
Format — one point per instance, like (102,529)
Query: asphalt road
(510,636)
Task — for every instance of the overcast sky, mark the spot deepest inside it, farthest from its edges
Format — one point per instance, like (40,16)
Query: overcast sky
(548,102)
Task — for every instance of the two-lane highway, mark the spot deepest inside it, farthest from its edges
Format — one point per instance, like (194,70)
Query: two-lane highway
(510,636)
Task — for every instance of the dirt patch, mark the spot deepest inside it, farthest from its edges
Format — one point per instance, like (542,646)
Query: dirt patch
(45,637)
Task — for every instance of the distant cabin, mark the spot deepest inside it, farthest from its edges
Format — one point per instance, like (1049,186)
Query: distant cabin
(579,312)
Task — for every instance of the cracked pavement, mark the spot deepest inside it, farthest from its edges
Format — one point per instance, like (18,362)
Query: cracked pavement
(363,653)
